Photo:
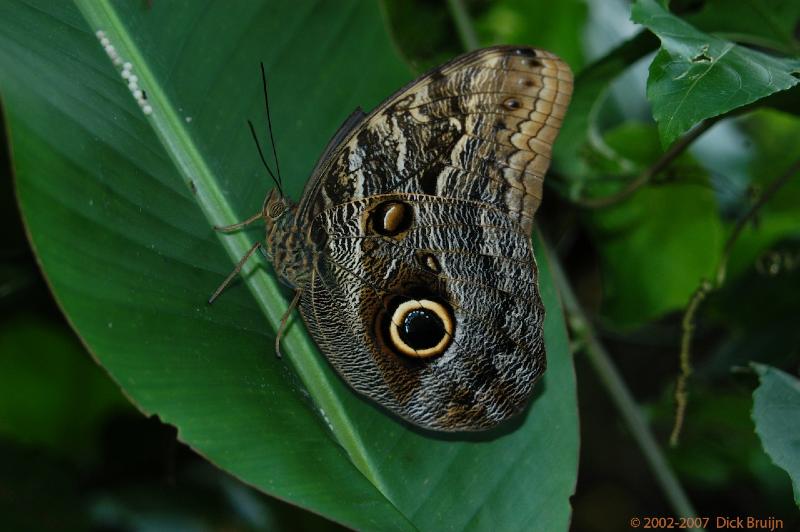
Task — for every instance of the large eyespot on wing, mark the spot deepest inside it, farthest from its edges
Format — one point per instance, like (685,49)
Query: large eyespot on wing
(438,321)
(480,127)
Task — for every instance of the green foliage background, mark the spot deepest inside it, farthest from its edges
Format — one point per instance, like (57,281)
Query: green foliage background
(118,208)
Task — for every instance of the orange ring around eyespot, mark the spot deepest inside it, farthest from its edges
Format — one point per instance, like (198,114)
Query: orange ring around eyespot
(413,304)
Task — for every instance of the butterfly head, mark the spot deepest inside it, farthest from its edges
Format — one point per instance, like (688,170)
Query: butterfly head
(275,206)
(278,215)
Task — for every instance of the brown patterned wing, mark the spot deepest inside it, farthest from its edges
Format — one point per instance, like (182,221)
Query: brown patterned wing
(422,288)
(480,127)
(459,260)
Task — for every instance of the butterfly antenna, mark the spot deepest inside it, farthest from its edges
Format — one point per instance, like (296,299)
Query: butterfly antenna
(269,124)
(263,160)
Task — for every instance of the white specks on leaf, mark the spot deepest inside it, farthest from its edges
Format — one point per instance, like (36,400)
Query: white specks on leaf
(325,419)
(126,72)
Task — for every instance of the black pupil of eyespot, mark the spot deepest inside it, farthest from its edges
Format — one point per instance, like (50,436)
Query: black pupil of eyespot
(422,329)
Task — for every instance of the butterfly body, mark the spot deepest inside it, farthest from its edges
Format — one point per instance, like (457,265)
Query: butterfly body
(410,248)
(289,249)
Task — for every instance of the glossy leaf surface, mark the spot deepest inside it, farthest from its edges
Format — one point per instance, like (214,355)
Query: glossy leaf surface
(776,412)
(119,206)
(696,75)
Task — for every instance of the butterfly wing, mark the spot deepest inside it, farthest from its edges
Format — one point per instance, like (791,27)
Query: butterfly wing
(480,127)
(423,288)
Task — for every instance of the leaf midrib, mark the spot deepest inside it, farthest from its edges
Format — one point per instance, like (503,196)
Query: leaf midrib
(178,143)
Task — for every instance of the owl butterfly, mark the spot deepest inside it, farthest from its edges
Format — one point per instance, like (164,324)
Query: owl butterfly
(410,248)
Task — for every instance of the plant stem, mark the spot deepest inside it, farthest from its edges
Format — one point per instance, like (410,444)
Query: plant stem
(681,386)
(765,196)
(651,171)
(620,394)
(705,288)
(464,27)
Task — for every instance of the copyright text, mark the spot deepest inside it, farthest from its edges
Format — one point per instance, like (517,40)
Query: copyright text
(710,523)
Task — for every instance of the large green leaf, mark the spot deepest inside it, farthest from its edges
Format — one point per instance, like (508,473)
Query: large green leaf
(582,144)
(697,76)
(658,244)
(776,412)
(119,206)
(423,31)
(764,23)
(774,136)
(542,23)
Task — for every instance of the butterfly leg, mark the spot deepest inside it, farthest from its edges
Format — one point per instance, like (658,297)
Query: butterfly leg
(234,227)
(234,273)
(284,321)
